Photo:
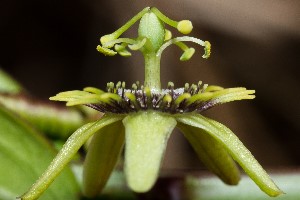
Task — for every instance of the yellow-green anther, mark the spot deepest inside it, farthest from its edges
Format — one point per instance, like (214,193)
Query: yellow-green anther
(118,85)
(187,54)
(185,26)
(186,86)
(207,49)
(194,87)
(124,53)
(106,51)
(171,85)
(168,34)
(134,86)
(93,90)
(204,88)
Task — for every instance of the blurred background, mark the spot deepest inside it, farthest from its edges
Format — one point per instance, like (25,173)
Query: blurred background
(50,46)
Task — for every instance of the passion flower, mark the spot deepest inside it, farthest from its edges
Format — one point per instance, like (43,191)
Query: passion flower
(143,117)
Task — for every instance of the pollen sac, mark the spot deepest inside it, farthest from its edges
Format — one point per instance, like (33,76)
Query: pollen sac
(185,26)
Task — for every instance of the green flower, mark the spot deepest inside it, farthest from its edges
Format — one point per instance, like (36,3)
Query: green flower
(143,117)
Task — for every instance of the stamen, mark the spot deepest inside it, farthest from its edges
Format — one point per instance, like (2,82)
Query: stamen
(106,51)
(184,26)
(121,49)
(168,34)
(125,27)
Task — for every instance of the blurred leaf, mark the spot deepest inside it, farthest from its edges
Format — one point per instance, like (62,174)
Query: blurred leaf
(211,188)
(8,84)
(58,122)
(24,155)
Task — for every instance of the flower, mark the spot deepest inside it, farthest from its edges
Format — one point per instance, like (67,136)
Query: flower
(143,117)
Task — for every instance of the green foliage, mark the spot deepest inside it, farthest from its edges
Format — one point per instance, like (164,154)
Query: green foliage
(24,155)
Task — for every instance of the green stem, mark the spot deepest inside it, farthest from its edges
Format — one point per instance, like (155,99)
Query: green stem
(152,71)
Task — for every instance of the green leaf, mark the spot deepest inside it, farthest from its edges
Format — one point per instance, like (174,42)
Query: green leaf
(199,188)
(146,135)
(24,155)
(102,156)
(235,148)
(50,119)
(8,84)
(212,154)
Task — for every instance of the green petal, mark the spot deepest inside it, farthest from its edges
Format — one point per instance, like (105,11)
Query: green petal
(146,135)
(102,156)
(65,155)
(235,148)
(212,154)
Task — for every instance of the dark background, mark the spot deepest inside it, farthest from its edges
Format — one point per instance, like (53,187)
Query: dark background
(49,46)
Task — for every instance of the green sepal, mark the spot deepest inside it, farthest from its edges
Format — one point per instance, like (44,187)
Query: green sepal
(65,155)
(146,135)
(212,154)
(102,156)
(235,148)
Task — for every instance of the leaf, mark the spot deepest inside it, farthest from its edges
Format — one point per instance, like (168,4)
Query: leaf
(8,84)
(24,155)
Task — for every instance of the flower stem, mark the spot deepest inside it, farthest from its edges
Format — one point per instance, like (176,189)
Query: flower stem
(152,71)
